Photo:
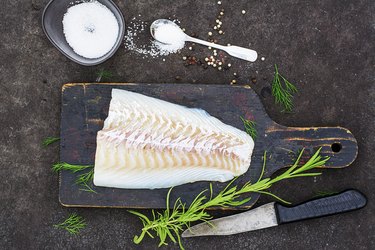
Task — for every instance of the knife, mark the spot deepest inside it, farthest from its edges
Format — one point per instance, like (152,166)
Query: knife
(274,214)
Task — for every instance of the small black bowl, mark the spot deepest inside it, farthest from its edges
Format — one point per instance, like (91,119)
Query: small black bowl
(52,25)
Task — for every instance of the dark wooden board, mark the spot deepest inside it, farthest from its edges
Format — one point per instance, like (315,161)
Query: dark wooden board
(85,107)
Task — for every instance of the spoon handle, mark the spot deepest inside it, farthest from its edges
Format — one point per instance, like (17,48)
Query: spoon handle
(236,51)
(242,53)
(214,45)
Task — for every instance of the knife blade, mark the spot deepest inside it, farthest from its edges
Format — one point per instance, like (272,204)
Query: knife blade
(274,214)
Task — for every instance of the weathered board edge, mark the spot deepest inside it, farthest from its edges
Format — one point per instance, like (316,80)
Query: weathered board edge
(255,196)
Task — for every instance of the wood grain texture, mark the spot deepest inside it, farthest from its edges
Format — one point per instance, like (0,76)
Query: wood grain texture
(85,107)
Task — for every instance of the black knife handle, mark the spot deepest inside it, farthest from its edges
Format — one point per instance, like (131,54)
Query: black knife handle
(346,201)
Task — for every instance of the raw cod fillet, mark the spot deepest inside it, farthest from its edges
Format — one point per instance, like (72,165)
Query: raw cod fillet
(149,143)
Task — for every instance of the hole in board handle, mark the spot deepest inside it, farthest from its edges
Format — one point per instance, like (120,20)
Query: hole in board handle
(336,147)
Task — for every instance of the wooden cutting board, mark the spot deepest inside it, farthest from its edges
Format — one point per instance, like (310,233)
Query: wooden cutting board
(85,107)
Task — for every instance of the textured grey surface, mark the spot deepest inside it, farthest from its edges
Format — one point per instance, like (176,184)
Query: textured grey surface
(325,47)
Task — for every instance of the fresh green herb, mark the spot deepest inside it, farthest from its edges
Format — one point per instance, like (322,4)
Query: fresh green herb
(87,188)
(325,193)
(283,92)
(49,140)
(66,166)
(103,75)
(250,127)
(170,223)
(73,224)
(84,179)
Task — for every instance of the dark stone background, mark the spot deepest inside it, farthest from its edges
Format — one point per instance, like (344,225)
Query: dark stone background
(324,47)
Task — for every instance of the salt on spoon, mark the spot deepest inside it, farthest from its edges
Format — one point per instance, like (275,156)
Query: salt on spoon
(167,32)
(134,33)
(171,34)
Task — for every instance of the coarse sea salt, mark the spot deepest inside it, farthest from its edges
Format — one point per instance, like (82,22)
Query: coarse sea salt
(91,29)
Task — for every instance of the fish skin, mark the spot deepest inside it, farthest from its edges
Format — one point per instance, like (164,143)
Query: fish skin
(147,143)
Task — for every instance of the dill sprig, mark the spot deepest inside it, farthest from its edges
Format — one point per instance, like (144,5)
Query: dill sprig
(49,140)
(73,224)
(170,223)
(103,75)
(283,91)
(250,127)
(84,179)
(66,166)
(86,187)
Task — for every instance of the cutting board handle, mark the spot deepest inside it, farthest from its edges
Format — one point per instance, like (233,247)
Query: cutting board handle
(336,142)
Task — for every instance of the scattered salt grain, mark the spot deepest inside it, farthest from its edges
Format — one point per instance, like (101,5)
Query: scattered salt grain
(138,31)
(91,29)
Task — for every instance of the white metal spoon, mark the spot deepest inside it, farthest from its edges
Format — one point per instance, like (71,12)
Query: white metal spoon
(239,52)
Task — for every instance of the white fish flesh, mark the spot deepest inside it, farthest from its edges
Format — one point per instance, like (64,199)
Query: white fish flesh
(148,143)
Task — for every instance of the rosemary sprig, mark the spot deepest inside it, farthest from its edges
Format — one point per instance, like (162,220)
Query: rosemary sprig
(73,224)
(170,223)
(250,127)
(283,92)
(83,179)
(49,140)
